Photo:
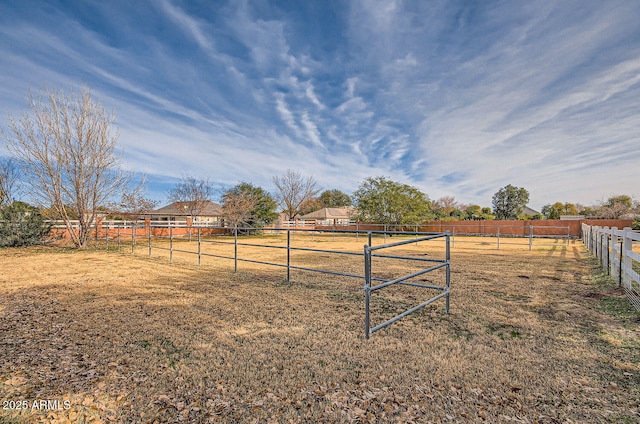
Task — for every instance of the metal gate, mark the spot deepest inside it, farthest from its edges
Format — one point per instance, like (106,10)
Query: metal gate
(369,288)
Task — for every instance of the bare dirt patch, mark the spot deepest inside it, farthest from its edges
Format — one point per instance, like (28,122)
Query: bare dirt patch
(126,338)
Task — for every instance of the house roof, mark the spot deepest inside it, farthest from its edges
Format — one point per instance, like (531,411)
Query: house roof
(181,209)
(331,213)
(528,211)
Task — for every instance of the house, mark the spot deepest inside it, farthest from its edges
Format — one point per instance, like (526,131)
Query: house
(527,211)
(331,216)
(178,212)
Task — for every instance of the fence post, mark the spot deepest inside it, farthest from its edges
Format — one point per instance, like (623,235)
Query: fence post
(170,243)
(530,237)
(235,249)
(605,248)
(198,246)
(448,271)
(614,243)
(149,239)
(367,289)
(118,238)
(601,245)
(608,253)
(585,234)
(133,237)
(626,259)
(498,238)
(453,237)
(588,238)
(106,237)
(288,256)
(620,263)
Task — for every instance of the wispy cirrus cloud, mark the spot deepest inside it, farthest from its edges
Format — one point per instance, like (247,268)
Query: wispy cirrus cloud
(455,98)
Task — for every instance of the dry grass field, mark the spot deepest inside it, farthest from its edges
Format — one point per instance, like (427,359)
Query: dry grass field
(532,337)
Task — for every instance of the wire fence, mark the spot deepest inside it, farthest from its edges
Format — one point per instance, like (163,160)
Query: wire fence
(243,245)
(493,233)
(471,235)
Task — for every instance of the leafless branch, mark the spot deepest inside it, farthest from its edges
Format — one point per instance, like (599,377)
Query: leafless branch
(294,190)
(238,208)
(9,177)
(195,194)
(67,147)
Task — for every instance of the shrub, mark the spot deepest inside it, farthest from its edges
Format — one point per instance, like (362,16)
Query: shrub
(22,225)
(636,224)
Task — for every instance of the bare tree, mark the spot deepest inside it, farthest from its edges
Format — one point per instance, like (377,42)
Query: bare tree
(194,194)
(133,204)
(293,191)
(446,205)
(238,208)
(67,150)
(9,176)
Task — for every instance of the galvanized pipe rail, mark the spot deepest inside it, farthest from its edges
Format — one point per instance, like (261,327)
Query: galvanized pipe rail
(369,288)
(367,255)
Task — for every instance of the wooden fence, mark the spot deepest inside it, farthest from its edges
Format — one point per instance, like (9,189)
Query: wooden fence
(618,255)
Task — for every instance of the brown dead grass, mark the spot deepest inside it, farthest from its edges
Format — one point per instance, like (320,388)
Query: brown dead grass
(127,338)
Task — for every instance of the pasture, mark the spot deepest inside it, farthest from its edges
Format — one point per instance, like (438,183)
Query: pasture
(532,336)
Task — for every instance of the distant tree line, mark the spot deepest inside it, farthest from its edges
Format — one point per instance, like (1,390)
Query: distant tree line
(615,207)
(64,155)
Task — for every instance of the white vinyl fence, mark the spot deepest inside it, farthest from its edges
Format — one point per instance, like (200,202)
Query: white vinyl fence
(618,255)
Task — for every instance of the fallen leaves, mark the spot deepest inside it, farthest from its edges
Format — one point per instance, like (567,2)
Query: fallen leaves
(166,343)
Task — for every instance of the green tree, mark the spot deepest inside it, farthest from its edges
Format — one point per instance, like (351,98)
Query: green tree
(509,201)
(334,199)
(474,212)
(552,211)
(487,214)
(458,214)
(622,200)
(558,209)
(249,205)
(384,201)
(22,225)
(327,199)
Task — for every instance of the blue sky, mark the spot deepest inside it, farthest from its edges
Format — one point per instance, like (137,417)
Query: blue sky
(457,98)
